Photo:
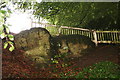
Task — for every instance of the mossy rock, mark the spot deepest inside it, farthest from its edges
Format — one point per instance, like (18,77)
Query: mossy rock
(36,43)
(74,45)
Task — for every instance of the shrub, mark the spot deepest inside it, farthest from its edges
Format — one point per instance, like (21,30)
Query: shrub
(103,69)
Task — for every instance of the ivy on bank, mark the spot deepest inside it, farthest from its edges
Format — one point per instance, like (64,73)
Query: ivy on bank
(4,27)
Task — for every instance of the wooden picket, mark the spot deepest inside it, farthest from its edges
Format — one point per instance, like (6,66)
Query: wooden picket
(97,36)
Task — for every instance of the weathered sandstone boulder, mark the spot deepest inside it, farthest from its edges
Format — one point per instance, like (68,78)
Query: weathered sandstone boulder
(36,44)
(74,45)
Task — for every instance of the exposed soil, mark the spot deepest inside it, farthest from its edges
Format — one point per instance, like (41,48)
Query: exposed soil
(102,52)
(15,63)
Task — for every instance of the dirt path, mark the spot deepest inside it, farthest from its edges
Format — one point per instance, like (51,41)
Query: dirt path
(101,53)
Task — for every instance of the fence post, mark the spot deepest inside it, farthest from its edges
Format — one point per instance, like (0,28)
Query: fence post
(60,30)
(31,24)
(45,26)
(118,36)
(95,38)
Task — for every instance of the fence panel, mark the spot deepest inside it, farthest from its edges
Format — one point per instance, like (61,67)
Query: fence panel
(98,36)
(108,36)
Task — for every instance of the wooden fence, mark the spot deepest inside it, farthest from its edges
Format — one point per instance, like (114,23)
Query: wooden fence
(97,36)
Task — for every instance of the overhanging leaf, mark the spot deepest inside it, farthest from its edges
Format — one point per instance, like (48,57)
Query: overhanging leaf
(11,48)
(3,35)
(11,43)
(9,11)
(1,29)
(7,30)
(2,11)
(11,37)
(5,45)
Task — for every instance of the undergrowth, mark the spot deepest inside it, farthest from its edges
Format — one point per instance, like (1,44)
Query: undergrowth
(16,65)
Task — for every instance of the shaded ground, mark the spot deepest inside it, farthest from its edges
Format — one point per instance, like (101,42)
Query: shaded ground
(101,53)
(16,65)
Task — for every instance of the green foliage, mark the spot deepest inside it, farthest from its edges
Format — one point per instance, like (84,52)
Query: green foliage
(103,69)
(53,30)
(5,45)
(95,15)
(9,43)
(4,30)
(11,48)
(59,56)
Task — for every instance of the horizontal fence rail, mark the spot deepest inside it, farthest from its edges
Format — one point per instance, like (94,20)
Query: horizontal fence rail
(108,36)
(97,36)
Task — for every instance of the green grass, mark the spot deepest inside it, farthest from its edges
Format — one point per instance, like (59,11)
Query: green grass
(99,70)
